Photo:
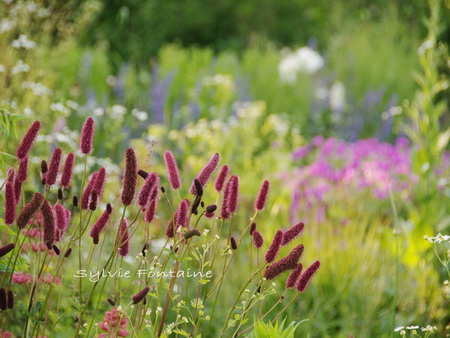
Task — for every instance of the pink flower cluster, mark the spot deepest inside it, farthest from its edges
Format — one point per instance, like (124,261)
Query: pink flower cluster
(115,324)
(330,166)
(25,278)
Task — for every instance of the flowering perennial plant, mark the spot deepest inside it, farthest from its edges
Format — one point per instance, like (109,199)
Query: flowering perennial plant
(176,236)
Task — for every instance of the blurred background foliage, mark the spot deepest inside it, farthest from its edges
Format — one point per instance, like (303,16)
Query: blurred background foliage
(200,77)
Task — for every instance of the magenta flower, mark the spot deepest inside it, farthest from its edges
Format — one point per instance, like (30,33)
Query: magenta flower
(129,177)
(100,182)
(150,212)
(17,190)
(274,247)
(205,174)
(87,192)
(66,177)
(53,167)
(287,263)
(10,204)
(87,136)
(28,140)
(101,222)
(220,180)
(62,219)
(48,221)
(150,185)
(114,324)
(172,170)
(307,276)
(233,194)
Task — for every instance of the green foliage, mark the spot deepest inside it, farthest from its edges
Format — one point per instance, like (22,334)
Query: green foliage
(268,330)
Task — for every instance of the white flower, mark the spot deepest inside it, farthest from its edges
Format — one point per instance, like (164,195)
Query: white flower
(287,69)
(399,328)
(37,88)
(99,111)
(439,238)
(2,68)
(117,111)
(5,25)
(23,42)
(415,327)
(59,107)
(337,97)
(305,60)
(140,115)
(429,328)
(424,46)
(20,67)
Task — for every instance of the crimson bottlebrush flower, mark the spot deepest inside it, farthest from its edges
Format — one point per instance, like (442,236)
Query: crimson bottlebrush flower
(10,204)
(224,211)
(210,209)
(129,177)
(150,212)
(169,229)
(87,192)
(10,299)
(183,213)
(220,180)
(28,140)
(44,167)
(172,170)
(234,194)
(100,182)
(292,233)
(101,222)
(274,247)
(87,136)
(257,239)
(29,210)
(110,301)
(6,249)
(147,190)
(306,276)
(205,174)
(287,263)
(140,295)
(17,190)
(66,177)
(22,171)
(96,236)
(109,208)
(261,199)
(124,247)
(252,228)
(62,218)
(191,233)
(68,252)
(3,301)
(48,220)
(53,167)
(94,201)
(60,194)
(10,175)
(233,243)
(293,276)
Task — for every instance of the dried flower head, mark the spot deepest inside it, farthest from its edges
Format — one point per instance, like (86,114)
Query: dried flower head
(220,180)
(28,140)
(172,170)
(205,174)
(306,277)
(10,204)
(87,136)
(129,177)
(274,247)
(261,199)
(66,177)
(53,167)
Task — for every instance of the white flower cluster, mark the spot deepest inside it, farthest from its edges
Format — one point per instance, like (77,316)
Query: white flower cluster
(439,238)
(414,328)
(303,60)
(20,67)
(38,89)
(23,42)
